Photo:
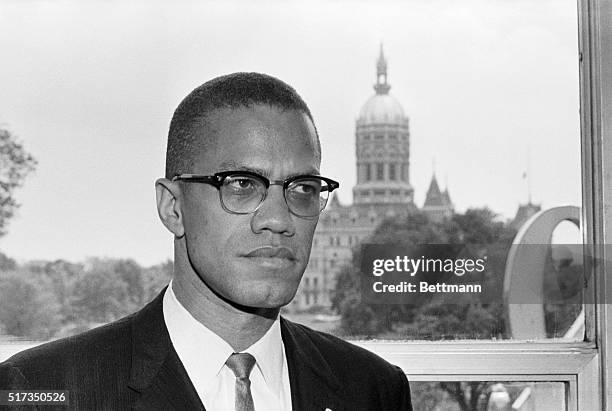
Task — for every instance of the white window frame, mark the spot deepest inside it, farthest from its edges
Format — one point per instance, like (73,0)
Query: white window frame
(585,367)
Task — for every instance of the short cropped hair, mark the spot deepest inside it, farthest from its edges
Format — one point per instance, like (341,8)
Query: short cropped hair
(230,91)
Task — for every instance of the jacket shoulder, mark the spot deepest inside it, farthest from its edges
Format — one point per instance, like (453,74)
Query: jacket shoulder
(347,359)
(366,378)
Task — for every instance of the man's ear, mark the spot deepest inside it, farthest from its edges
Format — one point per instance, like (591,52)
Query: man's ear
(167,194)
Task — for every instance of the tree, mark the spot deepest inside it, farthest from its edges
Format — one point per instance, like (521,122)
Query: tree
(481,234)
(62,276)
(7,263)
(101,293)
(15,164)
(29,308)
(108,289)
(155,278)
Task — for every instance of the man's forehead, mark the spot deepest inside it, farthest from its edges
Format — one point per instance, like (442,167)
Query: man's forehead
(253,113)
(211,131)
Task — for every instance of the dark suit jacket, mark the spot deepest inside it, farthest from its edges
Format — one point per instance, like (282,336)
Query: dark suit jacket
(131,364)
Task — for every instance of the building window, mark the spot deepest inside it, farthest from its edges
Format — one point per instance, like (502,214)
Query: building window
(392,175)
(380,171)
(368,172)
(379,137)
(315,282)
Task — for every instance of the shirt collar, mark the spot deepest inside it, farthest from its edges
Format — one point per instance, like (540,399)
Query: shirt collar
(268,351)
(188,336)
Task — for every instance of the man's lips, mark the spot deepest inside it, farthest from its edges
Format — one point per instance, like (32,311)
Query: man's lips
(272,257)
(271,252)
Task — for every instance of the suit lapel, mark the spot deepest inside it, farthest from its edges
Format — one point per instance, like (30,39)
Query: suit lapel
(157,372)
(313,383)
(158,375)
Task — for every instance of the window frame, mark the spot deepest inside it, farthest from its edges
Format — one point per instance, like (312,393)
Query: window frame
(586,367)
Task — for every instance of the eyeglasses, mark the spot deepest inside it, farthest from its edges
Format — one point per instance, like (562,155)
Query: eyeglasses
(243,192)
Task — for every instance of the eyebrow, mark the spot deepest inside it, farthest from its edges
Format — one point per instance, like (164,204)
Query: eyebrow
(233,166)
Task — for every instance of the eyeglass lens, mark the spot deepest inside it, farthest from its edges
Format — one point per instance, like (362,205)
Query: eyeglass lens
(243,193)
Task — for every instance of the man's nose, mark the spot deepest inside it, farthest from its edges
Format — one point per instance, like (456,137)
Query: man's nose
(273,214)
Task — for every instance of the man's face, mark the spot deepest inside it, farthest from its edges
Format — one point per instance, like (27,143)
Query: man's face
(255,260)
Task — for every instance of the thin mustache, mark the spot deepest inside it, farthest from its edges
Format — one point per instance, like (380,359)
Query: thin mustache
(272,252)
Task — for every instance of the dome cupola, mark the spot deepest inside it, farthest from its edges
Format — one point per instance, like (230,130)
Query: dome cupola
(381,108)
(383,147)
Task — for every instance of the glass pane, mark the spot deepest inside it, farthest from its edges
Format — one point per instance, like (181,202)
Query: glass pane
(457,129)
(480,165)
(488,396)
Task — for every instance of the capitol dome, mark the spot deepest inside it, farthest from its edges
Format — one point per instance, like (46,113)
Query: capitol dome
(381,108)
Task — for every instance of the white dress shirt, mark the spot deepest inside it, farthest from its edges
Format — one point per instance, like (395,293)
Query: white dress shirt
(203,354)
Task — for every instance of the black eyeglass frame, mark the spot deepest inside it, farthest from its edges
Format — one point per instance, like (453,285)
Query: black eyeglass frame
(217,179)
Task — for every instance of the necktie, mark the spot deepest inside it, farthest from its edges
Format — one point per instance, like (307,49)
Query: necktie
(242,364)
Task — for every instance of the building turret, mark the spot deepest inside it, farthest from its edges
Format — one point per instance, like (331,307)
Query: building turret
(438,204)
(383,147)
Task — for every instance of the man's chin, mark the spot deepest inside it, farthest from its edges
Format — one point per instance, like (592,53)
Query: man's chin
(270,303)
(267,299)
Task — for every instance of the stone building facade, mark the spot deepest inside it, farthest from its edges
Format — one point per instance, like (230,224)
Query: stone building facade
(383,190)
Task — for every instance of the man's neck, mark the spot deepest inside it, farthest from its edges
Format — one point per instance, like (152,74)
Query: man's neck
(240,327)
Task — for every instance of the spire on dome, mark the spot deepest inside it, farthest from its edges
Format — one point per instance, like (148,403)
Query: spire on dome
(381,86)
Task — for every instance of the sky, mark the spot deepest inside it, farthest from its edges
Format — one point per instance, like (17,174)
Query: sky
(89,88)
